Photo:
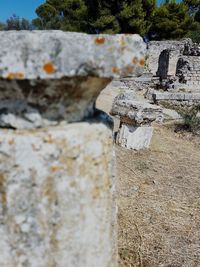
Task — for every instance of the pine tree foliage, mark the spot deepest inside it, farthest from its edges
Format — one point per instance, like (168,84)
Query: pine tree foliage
(171,21)
(16,23)
(96,16)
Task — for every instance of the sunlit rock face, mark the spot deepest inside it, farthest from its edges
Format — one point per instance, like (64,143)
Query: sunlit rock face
(57,173)
(56,205)
(56,54)
(49,77)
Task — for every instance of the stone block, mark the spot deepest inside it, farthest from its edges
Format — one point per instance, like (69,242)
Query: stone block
(56,197)
(57,54)
(133,111)
(57,179)
(136,138)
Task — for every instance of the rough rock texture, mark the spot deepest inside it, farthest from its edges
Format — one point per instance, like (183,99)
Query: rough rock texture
(175,96)
(155,49)
(175,59)
(56,54)
(57,183)
(56,204)
(39,103)
(136,138)
(134,112)
(53,56)
(188,71)
(191,49)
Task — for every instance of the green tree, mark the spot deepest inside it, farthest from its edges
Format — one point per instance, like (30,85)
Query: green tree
(194,11)
(16,23)
(96,16)
(171,21)
(68,15)
(149,7)
(2,26)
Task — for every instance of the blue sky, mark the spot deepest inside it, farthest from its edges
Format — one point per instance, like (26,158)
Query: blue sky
(22,8)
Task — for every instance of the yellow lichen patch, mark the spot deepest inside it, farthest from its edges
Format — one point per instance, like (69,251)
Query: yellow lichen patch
(56,168)
(100,40)
(115,70)
(11,142)
(142,62)
(3,197)
(48,139)
(49,68)
(15,75)
(135,60)
(123,43)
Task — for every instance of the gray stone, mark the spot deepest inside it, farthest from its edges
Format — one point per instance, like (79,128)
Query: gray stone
(133,111)
(56,54)
(56,197)
(39,103)
(170,114)
(60,74)
(57,183)
(176,96)
(135,138)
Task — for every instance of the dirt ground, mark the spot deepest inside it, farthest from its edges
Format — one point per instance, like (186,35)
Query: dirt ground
(159,202)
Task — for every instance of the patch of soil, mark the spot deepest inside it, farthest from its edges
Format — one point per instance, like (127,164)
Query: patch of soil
(159,202)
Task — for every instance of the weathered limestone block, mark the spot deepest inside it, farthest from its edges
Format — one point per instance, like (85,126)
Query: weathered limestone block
(56,54)
(72,69)
(135,117)
(56,202)
(176,96)
(136,138)
(40,103)
(57,181)
(135,112)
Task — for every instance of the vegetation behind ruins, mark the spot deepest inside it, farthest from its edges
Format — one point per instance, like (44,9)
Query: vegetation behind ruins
(170,20)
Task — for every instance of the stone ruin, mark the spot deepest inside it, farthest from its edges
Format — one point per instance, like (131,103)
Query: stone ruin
(174,68)
(57,165)
(57,170)
(171,79)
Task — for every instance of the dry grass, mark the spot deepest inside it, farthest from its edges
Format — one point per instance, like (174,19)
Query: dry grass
(159,202)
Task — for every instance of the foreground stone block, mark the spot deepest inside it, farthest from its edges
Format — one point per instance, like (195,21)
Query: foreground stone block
(56,201)
(26,104)
(57,54)
(57,178)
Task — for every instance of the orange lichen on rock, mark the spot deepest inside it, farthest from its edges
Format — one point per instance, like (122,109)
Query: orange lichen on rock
(15,75)
(49,68)
(100,40)
(142,62)
(56,168)
(115,70)
(135,60)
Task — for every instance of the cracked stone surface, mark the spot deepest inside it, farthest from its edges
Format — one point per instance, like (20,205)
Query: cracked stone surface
(57,54)
(57,173)
(56,203)
(133,111)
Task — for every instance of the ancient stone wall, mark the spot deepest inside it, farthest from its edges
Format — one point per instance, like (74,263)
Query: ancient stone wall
(179,59)
(57,175)
(155,49)
(188,70)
